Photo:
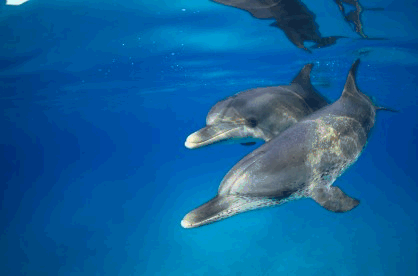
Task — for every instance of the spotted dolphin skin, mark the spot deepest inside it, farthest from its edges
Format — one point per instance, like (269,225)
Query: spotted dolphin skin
(302,162)
(259,113)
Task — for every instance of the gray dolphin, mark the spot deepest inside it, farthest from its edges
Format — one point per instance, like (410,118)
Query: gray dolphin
(302,162)
(291,16)
(259,113)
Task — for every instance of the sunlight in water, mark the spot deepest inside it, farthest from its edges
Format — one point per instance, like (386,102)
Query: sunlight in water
(15,2)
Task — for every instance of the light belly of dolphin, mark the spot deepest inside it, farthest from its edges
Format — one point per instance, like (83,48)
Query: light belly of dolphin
(215,133)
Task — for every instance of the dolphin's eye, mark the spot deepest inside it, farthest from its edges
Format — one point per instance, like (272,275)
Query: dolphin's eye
(252,122)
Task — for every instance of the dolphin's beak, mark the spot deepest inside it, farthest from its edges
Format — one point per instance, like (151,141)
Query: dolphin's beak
(221,207)
(214,133)
(213,210)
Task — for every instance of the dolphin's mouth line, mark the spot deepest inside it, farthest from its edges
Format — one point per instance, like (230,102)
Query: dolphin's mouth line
(244,204)
(215,136)
(247,204)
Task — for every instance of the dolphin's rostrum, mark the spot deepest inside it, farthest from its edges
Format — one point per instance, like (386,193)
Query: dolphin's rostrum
(260,113)
(301,162)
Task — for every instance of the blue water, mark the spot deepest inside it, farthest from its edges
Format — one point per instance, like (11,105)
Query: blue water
(97,100)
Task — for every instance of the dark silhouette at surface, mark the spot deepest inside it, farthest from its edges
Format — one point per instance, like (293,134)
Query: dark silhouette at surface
(326,41)
(354,17)
(292,17)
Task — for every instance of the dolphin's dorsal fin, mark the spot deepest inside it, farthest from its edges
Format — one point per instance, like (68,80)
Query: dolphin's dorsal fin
(350,87)
(304,76)
(333,199)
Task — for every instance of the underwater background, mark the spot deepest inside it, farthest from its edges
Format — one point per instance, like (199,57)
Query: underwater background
(98,97)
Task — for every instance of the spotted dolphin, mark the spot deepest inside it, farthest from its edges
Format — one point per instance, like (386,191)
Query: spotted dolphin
(301,162)
(260,113)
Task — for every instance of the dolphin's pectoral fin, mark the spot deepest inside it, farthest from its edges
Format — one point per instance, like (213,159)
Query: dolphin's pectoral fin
(333,199)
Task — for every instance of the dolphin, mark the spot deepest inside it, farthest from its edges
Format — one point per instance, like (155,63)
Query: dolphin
(353,18)
(301,162)
(291,16)
(260,113)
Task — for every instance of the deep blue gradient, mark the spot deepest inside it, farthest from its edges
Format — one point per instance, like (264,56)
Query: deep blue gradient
(97,100)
